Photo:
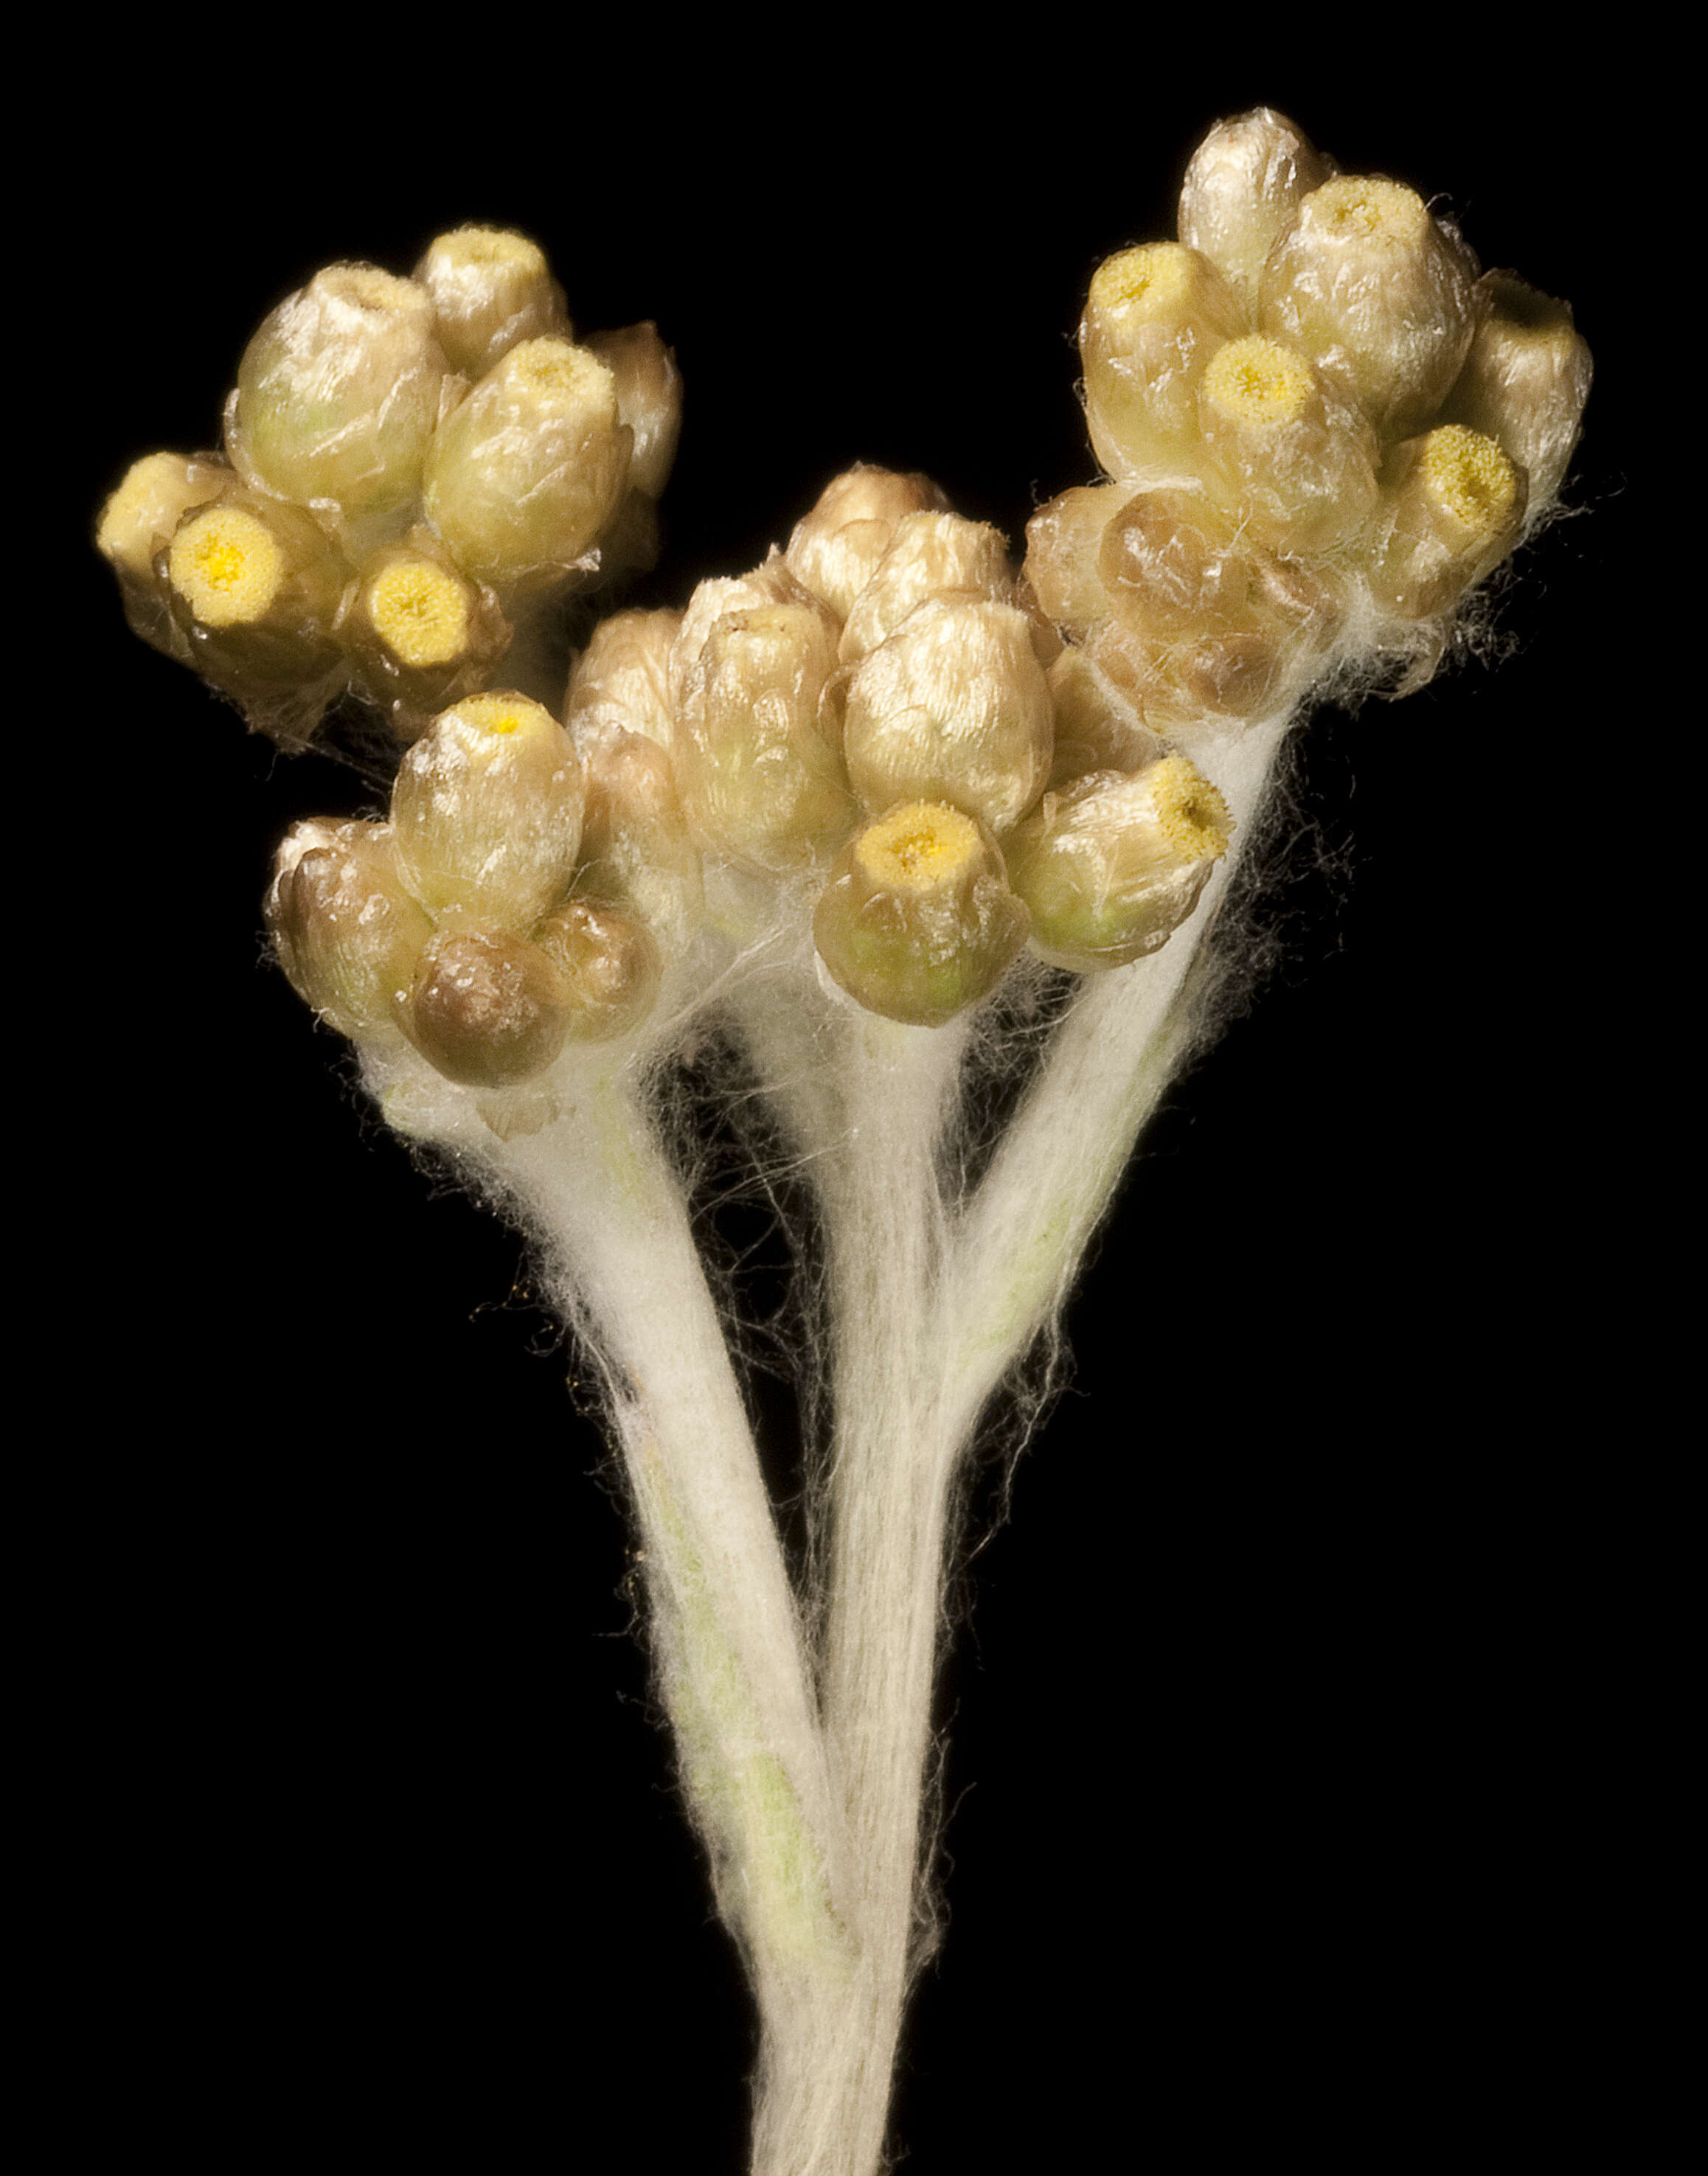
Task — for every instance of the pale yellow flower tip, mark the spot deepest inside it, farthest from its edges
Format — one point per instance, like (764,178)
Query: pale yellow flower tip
(504,714)
(153,496)
(1155,281)
(1367,207)
(227,567)
(490,288)
(421,610)
(1467,476)
(1189,811)
(918,847)
(1258,382)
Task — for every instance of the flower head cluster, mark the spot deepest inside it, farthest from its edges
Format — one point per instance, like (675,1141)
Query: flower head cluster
(410,468)
(1321,427)
(872,741)
(885,749)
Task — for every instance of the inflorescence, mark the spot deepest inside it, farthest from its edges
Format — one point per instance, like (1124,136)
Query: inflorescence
(1320,427)
(412,471)
(887,765)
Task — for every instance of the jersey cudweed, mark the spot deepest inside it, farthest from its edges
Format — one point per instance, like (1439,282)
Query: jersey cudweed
(890,819)
(411,469)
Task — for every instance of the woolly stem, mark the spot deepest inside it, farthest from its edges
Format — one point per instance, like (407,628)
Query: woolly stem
(621,1261)
(925,1319)
(888,1497)
(817,1838)
(1019,1244)
(865,1102)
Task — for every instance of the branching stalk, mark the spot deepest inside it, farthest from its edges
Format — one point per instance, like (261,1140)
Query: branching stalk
(826,808)
(596,1189)
(1018,1244)
(928,1314)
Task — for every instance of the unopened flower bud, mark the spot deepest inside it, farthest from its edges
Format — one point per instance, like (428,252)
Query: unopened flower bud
(1112,865)
(919,922)
(1525,382)
(345,929)
(953,707)
(834,549)
(253,585)
(337,396)
(1304,602)
(607,964)
(1063,540)
(649,399)
(625,671)
(1233,672)
(1097,727)
(771,584)
(153,498)
(930,555)
(523,477)
(1377,293)
(491,290)
(1153,318)
(487,810)
(421,633)
(636,849)
(1171,565)
(488,1009)
(1454,504)
(1297,458)
(1244,182)
(755,754)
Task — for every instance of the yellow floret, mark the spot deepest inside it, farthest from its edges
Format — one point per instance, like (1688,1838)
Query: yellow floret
(1192,815)
(367,287)
(227,567)
(1153,280)
(489,245)
(152,492)
(1365,207)
(421,610)
(917,847)
(1468,476)
(501,715)
(1258,381)
(553,370)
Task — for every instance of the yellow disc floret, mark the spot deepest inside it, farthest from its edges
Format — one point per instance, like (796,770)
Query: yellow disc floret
(1259,381)
(490,247)
(227,567)
(421,610)
(1365,207)
(132,503)
(154,496)
(917,847)
(1154,280)
(1190,811)
(366,287)
(501,714)
(1469,477)
(553,370)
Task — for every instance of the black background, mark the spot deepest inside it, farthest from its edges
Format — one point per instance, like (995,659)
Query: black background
(1284,1689)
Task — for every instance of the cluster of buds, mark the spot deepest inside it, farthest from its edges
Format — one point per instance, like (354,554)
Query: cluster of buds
(885,745)
(880,718)
(1321,425)
(459,926)
(874,739)
(411,469)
